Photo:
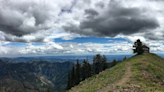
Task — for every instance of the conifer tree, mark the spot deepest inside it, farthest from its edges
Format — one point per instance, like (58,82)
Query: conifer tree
(137,47)
(84,70)
(97,63)
(77,72)
(89,70)
(68,82)
(124,58)
(73,77)
(94,65)
(114,62)
(104,62)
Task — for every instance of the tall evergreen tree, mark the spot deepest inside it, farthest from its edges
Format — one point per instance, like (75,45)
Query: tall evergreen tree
(104,62)
(137,47)
(77,72)
(84,70)
(97,63)
(89,70)
(68,82)
(73,77)
(114,62)
(94,65)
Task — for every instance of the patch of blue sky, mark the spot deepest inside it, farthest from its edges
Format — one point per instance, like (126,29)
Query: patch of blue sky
(163,43)
(107,46)
(37,44)
(64,11)
(16,44)
(92,39)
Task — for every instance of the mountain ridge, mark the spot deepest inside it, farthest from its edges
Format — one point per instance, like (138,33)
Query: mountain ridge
(141,73)
(34,76)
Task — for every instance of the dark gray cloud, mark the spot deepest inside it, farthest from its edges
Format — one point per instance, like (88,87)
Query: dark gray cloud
(115,20)
(99,4)
(38,39)
(13,16)
(41,15)
(91,12)
(15,39)
(154,36)
(11,38)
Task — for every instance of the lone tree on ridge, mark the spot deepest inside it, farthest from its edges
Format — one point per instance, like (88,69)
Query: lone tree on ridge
(137,47)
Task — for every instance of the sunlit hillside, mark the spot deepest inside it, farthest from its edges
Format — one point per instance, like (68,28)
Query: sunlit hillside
(139,73)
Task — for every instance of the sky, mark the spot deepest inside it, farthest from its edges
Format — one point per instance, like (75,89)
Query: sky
(79,27)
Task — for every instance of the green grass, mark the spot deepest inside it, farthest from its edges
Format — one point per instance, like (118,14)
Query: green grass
(152,65)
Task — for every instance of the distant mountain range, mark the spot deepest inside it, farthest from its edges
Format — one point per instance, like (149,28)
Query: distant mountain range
(61,58)
(34,76)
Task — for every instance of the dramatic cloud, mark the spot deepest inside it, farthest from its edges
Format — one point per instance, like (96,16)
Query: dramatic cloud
(22,17)
(24,39)
(113,20)
(86,17)
(41,22)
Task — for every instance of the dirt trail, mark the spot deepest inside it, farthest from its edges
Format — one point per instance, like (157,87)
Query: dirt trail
(120,82)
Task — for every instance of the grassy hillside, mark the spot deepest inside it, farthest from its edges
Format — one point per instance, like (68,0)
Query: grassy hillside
(143,73)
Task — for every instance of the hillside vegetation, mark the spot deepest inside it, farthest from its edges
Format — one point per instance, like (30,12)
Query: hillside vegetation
(141,73)
(34,76)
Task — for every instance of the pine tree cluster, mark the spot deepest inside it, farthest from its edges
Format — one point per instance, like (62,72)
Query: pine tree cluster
(86,70)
